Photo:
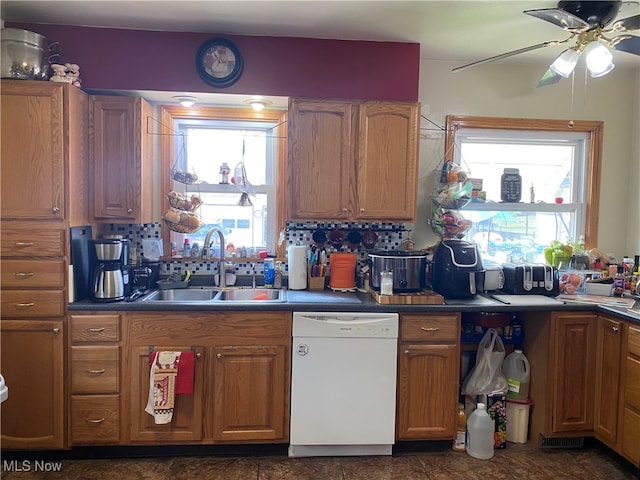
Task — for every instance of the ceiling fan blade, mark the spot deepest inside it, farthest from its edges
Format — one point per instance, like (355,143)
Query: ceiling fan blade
(512,53)
(549,78)
(562,19)
(626,43)
(626,24)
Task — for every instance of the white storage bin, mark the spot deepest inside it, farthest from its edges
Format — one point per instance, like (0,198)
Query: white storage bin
(518,421)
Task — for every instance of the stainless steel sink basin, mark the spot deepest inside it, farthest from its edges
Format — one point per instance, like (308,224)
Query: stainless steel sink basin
(181,295)
(245,295)
(214,295)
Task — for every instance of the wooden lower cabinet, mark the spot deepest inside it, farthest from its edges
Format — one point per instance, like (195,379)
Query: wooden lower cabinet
(630,424)
(248,392)
(560,347)
(32,366)
(428,373)
(241,383)
(607,382)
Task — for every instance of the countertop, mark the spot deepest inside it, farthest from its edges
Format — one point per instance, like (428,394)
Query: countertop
(327,300)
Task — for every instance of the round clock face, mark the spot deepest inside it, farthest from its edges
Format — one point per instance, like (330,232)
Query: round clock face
(219,62)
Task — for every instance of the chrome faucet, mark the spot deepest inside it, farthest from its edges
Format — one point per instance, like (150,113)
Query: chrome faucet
(222,268)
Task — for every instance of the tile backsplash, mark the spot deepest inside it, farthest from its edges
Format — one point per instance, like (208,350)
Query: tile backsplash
(390,236)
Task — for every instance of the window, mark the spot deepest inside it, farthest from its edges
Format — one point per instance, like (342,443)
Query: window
(200,141)
(555,159)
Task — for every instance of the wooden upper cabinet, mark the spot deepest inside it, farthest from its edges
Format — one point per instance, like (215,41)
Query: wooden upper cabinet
(352,160)
(121,159)
(387,161)
(320,159)
(43,133)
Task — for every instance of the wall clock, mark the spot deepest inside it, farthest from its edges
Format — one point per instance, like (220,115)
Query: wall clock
(219,62)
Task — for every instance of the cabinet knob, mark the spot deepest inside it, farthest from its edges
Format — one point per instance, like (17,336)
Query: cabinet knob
(218,355)
(344,210)
(198,355)
(362,210)
(55,209)
(129,210)
(56,330)
(615,329)
(406,352)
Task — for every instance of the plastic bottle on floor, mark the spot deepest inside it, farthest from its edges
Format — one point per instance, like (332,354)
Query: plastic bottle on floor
(461,430)
(517,371)
(480,430)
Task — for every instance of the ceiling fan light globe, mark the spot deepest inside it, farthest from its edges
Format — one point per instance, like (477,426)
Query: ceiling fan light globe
(599,59)
(565,63)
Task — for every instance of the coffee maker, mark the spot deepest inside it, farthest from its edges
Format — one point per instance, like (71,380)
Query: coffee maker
(111,269)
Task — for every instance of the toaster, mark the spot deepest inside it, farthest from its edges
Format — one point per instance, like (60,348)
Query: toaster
(530,279)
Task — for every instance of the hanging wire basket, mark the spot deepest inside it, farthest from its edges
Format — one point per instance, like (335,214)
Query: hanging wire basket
(182,221)
(180,202)
(179,174)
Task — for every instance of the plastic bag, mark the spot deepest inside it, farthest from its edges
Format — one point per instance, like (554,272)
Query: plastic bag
(486,377)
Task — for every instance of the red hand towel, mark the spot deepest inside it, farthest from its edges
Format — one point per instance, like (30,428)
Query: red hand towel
(186,373)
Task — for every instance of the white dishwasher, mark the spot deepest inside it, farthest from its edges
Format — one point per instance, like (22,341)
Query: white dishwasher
(343,383)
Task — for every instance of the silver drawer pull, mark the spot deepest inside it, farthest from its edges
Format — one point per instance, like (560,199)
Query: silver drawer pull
(23,274)
(24,305)
(429,329)
(24,244)
(96,372)
(99,420)
(95,330)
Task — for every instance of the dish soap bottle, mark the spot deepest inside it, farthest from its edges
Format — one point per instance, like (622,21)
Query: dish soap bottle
(269,272)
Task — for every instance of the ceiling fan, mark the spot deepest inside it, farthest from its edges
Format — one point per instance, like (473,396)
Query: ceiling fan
(590,25)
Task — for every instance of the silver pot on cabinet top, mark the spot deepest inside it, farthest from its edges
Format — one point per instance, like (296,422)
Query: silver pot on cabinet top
(25,55)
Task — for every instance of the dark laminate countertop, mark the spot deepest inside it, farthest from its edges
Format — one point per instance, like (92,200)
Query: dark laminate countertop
(311,300)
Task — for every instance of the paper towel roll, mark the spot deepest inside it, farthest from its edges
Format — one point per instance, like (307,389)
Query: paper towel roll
(297,258)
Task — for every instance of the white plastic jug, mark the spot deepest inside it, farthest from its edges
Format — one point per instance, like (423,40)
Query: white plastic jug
(517,372)
(480,431)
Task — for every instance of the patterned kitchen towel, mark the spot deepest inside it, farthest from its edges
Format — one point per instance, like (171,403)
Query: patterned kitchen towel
(162,379)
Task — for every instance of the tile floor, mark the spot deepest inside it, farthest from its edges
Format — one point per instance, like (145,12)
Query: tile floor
(516,462)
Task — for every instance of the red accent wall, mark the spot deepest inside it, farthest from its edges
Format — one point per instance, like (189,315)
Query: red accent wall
(302,67)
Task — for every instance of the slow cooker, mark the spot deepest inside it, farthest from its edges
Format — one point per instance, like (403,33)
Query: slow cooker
(408,267)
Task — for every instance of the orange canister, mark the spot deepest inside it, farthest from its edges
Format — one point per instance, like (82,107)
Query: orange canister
(342,271)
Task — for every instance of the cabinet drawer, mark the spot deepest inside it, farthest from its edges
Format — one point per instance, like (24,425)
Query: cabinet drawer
(95,328)
(430,327)
(94,369)
(25,240)
(633,342)
(33,303)
(32,273)
(95,419)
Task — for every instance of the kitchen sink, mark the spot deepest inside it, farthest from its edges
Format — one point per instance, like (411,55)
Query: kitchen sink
(225,295)
(181,295)
(244,295)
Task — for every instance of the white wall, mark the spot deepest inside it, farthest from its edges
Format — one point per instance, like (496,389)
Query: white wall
(497,90)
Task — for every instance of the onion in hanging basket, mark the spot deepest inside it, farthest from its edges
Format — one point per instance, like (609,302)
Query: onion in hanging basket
(179,201)
(181,221)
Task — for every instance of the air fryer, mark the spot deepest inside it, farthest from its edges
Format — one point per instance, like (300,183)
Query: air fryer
(457,268)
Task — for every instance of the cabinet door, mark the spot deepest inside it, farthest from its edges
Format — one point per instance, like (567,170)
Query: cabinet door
(630,424)
(427,391)
(186,423)
(119,158)
(32,366)
(249,396)
(387,161)
(573,359)
(32,150)
(320,159)
(608,345)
